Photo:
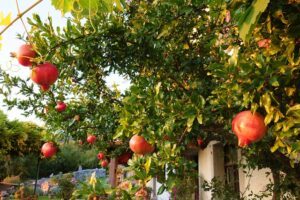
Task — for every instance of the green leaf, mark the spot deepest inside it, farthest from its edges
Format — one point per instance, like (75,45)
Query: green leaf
(118,134)
(200,119)
(90,5)
(274,81)
(161,189)
(296,146)
(190,121)
(248,21)
(63,5)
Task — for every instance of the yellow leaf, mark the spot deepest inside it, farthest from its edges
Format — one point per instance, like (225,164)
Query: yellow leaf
(118,5)
(268,118)
(0,42)
(265,101)
(290,91)
(147,165)
(278,115)
(5,20)
(186,46)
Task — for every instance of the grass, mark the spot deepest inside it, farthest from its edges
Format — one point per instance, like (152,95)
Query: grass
(46,198)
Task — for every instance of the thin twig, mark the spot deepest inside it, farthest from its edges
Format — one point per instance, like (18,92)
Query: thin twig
(20,15)
(183,135)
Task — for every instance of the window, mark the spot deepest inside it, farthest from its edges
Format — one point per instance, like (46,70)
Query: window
(231,168)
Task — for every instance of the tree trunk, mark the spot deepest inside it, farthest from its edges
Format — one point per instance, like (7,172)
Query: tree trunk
(112,172)
(276,187)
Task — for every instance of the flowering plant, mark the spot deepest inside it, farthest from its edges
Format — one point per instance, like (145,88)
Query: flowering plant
(93,188)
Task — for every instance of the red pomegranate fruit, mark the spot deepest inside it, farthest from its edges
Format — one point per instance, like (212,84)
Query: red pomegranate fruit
(139,145)
(104,163)
(123,158)
(25,55)
(45,74)
(48,149)
(45,88)
(199,141)
(248,127)
(60,106)
(100,156)
(91,139)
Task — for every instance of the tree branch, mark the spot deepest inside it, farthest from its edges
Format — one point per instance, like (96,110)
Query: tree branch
(20,15)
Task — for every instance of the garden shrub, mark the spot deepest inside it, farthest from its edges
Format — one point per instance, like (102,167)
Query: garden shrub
(67,159)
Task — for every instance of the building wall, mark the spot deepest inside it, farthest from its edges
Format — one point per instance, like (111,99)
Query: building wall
(211,164)
(255,183)
(155,185)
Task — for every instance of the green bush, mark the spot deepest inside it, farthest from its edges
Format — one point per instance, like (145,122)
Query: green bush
(66,160)
(66,187)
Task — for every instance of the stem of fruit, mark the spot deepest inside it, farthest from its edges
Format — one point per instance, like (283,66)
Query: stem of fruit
(20,15)
(52,97)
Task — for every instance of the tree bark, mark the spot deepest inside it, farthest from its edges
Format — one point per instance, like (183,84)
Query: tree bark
(276,187)
(112,172)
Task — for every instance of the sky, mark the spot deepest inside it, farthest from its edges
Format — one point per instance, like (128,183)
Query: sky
(10,43)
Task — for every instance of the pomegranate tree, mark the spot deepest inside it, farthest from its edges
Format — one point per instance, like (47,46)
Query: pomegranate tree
(139,145)
(48,149)
(248,127)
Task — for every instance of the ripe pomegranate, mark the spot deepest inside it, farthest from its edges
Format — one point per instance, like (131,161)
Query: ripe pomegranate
(199,141)
(104,163)
(25,54)
(48,149)
(123,159)
(100,156)
(91,139)
(60,106)
(45,88)
(248,127)
(45,74)
(139,145)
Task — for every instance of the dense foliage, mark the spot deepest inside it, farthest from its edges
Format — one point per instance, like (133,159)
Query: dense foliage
(17,139)
(192,65)
(64,162)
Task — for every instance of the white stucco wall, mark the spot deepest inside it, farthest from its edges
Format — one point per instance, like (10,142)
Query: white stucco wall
(257,181)
(210,165)
(155,186)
